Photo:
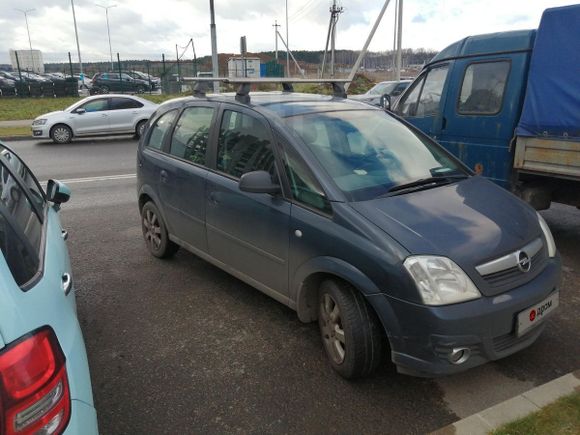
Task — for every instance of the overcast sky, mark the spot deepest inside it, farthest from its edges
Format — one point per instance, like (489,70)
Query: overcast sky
(147,28)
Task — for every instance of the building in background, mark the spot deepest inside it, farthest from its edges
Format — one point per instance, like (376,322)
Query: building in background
(29,60)
(236,67)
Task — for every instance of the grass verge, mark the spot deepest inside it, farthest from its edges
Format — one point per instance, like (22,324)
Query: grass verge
(14,131)
(559,418)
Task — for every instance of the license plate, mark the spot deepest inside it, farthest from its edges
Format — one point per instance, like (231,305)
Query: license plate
(535,314)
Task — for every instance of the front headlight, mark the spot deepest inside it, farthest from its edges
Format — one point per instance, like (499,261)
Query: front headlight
(39,121)
(440,281)
(548,236)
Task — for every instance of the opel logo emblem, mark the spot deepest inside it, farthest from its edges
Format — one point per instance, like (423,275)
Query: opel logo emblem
(524,262)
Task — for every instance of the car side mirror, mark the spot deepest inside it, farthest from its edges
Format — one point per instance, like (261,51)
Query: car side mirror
(57,192)
(386,102)
(258,182)
(80,111)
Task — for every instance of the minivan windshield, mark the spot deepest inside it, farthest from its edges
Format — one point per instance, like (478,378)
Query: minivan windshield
(368,153)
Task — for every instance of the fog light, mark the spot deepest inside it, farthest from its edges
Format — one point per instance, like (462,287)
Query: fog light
(459,355)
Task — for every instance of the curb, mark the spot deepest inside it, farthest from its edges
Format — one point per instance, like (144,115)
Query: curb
(15,138)
(515,408)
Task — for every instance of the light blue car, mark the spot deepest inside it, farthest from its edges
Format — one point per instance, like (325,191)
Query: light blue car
(45,386)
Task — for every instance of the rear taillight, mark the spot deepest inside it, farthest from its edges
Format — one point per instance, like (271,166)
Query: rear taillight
(34,391)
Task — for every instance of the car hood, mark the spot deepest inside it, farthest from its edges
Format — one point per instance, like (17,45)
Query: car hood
(50,114)
(363,97)
(471,222)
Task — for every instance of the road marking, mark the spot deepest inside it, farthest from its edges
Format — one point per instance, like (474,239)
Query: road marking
(91,179)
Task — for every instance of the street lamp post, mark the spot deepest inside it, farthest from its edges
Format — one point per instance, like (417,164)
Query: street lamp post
(106,8)
(25,12)
(72,3)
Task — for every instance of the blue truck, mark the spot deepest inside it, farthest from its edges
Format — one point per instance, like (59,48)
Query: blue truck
(508,105)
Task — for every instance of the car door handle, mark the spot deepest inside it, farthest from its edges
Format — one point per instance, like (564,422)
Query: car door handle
(64,234)
(163,176)
(443,123)
(66,283)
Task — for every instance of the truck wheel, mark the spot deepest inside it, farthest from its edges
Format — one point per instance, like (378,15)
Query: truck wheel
(155,232)
(351,332)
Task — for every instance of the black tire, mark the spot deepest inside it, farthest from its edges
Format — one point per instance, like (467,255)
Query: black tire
(61,134)
(104,90)
(363,340)
(141,90)
(140,128)
(155,232)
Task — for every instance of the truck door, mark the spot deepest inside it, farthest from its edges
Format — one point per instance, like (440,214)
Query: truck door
(422,104)
(481,111)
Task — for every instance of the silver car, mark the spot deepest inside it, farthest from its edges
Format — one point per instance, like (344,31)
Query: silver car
(95,116)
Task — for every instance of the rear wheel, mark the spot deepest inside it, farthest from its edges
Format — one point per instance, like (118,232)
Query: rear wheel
(155,232)
(351,332)
(104,89)
(141,90)
(61,133)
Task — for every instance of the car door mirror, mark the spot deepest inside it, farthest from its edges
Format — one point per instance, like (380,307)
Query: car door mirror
(386,102)
(57,192)
(258,182)
(80,111)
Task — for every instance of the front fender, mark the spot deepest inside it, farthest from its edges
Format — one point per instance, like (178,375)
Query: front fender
(305,299)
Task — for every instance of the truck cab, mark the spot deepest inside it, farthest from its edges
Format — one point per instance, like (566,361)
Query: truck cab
(506,104)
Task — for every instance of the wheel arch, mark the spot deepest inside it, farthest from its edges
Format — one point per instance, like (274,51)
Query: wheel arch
(311,274)
(146,193)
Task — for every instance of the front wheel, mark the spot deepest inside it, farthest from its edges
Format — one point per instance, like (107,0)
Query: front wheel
(351,332)
(140,129)
(61,134)
(155,232)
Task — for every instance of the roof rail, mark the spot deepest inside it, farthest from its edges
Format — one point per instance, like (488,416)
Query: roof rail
(202,85)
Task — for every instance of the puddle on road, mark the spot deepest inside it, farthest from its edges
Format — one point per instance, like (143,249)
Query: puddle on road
(479,388)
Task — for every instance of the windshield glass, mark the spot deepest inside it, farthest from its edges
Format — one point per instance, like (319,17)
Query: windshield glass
(367,152)
(382,88)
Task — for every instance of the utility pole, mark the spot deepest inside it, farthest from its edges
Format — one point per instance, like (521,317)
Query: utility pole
(399,40)
(393,64)
(331,37)
(25,12)
(366,46)
(214,53)
(275,26)
(287,43)
(290,54)
(72,3)
(334,13)
(106,8)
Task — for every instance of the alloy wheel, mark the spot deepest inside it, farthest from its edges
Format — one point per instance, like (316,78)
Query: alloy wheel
(332,330)
(152,229)
(61,134)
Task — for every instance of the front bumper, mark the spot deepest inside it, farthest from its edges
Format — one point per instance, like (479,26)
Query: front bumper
(422,337)
(40,131)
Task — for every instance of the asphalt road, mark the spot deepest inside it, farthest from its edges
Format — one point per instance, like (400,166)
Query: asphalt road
(178,346)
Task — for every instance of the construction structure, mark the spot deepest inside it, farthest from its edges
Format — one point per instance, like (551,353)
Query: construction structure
(27,60)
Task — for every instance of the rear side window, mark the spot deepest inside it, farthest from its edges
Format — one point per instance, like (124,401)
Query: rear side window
(21,229)
(160,129)
(191,134)
(244,145)
(483,88)
(125,103)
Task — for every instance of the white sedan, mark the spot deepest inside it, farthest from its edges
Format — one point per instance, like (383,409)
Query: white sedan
(94,116)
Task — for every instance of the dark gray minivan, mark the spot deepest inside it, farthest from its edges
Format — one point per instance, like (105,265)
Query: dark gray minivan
(354,218)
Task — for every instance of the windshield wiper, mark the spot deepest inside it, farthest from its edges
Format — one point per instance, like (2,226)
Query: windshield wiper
(424,183)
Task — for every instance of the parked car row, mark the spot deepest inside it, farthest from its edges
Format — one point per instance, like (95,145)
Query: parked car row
(125,81)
